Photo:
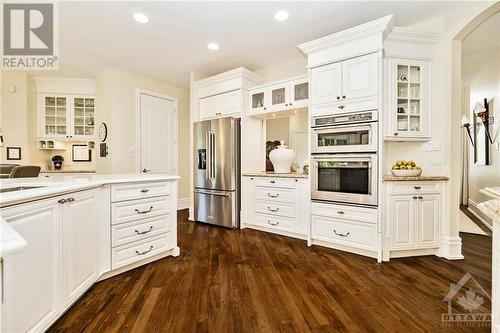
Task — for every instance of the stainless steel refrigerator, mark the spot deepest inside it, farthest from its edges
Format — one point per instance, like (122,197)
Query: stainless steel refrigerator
(217,172)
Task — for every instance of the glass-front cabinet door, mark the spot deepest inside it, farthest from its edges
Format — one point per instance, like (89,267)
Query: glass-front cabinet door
(409,107)
(65,116)
(83,117)
(279,96)
(299,92)
(258,100)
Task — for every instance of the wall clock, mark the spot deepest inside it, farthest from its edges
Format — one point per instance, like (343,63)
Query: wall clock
(103,132)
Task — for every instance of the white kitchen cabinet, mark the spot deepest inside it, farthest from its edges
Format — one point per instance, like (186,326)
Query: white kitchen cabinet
(80,244)
(222,105)
(64,116)
(408,86)
(277,205)
(345,86)
(347,228)
(413,217)
(279,96)
(32,278)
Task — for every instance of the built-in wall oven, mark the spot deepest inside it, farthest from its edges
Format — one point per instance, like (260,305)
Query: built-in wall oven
(357,132)
(346,178)
(344,158)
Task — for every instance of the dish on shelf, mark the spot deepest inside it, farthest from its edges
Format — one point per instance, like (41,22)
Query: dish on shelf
(406,173)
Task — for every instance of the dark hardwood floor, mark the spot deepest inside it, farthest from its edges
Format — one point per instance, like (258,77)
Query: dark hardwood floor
(250,281)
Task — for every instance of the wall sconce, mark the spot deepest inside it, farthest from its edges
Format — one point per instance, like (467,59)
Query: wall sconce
(482,113)
(466,125)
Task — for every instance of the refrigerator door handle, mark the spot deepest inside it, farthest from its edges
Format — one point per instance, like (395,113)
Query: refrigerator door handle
(213,157)
(208,157)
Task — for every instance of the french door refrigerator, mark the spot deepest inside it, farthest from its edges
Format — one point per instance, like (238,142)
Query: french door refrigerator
(217,172)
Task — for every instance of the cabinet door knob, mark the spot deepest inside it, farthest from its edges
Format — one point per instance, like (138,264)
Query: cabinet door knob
(420,197)
(414,197)
(290,103)
(272,181)
(396,133)
(338,97)
(286,104)
(145,190)
(71,199)
(417,187)
(343,96)
(264,108)
(62,201)
(341,107)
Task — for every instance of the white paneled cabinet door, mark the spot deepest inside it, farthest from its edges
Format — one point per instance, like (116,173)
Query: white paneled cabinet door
(360,77)
(326,83)
(230,103)
(208,107)
(402,221)
(428,220)
(31,282)
(80,244)
(258,101)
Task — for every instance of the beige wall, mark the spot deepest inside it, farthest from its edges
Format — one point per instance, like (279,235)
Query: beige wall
(285,70)
(116,105)
(278,129)
(486,84)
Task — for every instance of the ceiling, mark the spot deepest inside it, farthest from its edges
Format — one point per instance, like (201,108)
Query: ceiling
(98,35)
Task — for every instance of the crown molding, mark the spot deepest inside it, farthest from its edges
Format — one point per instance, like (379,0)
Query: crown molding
(237,73)
(382,26)
(60,85)
(411,35)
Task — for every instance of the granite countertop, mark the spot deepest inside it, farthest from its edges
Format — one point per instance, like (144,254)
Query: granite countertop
(391,178)
(59,184)
(276,175)
(67,171)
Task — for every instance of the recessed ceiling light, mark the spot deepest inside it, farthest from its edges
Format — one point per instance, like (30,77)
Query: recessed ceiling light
(281,15)
(213,46)
(141,18)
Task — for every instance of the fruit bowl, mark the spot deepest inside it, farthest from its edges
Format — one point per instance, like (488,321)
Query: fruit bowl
(406,173)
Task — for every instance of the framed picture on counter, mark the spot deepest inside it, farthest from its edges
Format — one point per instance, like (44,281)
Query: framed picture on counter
(13,153)
(81,153)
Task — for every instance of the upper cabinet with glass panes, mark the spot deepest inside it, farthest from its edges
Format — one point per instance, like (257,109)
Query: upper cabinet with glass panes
(279,96)
(409,100)
(66,116)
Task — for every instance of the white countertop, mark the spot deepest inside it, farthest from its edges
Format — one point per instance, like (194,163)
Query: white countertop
(59,184)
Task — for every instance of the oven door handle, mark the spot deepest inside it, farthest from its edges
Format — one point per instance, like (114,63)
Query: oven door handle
(343,159)
(341,128)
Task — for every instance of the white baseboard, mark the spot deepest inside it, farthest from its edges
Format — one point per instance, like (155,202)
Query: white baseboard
(472,207)
(183,203)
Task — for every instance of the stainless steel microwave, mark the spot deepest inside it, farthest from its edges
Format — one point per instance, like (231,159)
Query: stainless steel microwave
(345,178)
(356,132)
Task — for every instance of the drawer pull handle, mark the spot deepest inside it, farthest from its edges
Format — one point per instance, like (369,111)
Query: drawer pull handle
(272,181)
(341,212)
(271,223)
(420,197)
(62,201)
(144,211)
(144,232)
(273,195)
(341,107)
(71,199)
(272,210)
(341,235)
(144,252)
(418,187)
(144,190)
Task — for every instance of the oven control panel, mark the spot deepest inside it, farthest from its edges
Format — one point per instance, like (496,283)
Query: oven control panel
(343,119)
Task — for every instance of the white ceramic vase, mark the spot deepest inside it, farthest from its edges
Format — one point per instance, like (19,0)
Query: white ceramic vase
(282,158)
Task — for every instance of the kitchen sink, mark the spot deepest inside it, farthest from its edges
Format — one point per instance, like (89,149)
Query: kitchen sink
(18,188)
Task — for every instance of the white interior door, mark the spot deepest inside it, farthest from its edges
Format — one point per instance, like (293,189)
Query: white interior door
(158,135)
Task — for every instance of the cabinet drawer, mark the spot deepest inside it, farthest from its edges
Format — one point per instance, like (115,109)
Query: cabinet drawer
(361,214)
(275,208)
(275,222)
(272,194)
(139,191)
(414,188)
(359,104)
(275,182)
(137,230)
(133,252)
(349,233)
(138,209)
